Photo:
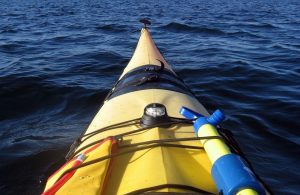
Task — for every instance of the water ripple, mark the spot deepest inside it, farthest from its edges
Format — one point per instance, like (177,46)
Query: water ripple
(184,28)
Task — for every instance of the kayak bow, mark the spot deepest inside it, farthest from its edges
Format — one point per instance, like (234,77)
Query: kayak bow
(139,142)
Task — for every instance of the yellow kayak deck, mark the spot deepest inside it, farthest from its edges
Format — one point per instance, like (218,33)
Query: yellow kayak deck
(137,159)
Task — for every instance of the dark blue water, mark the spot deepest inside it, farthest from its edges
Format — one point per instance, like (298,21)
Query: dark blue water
(58,59)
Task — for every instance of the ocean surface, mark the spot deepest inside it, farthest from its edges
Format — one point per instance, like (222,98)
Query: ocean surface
(59,59)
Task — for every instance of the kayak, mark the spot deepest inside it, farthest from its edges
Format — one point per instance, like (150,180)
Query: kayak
(152,136)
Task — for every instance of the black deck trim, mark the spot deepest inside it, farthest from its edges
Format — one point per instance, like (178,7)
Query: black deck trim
(149,77)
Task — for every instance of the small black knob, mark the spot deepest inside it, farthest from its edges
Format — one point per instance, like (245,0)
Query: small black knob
(145,22)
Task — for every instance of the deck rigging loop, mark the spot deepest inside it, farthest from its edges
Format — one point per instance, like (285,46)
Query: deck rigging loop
(140,146)
(82,138)
(162,65)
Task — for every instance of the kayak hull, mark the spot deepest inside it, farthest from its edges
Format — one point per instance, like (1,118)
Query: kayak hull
(121,156)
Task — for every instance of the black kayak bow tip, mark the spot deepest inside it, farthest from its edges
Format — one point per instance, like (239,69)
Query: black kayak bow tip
(145,22)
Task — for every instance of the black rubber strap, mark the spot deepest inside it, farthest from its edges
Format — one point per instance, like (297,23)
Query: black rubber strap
(149,77)
(175,186)
(149,68)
